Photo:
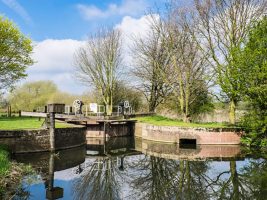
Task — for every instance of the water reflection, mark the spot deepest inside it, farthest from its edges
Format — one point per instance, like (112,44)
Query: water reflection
(101,180)
(136,169)
(51,191)
(170,179)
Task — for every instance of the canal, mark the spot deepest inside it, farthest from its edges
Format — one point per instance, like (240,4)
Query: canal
(131,168)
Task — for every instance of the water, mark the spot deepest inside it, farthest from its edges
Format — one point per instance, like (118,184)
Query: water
(128,168)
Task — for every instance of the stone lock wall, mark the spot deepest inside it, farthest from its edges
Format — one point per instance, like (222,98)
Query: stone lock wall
(26,141)
(69,137)
(173,134)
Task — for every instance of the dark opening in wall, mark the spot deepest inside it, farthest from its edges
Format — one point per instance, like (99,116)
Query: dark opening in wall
(188,143)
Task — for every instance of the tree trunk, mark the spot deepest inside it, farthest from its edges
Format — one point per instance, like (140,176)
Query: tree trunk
(152,100)
(109,110)
(234,179)
(187,94)
(109,105)
(232,108)
(9,111)
(186,118)
(151,107)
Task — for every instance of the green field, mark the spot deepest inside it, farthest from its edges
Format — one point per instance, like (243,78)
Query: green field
(163,121)
(22,123)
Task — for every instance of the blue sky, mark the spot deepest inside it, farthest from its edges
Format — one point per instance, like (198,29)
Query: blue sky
(70,19)
(59,27)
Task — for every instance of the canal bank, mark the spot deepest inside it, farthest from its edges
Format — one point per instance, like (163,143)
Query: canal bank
(29,141)
(198,136)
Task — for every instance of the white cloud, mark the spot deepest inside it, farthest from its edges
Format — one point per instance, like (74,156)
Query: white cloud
(54,61)
(55,55)
(54,58)
(127,7)
(14,5)
(131,29)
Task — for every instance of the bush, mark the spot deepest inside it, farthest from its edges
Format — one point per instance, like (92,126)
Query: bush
(255,126)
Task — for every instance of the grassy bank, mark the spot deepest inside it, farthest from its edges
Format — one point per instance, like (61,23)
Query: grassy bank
(5,167)
(22,123)
(11,174)
(4,161)
(163,121)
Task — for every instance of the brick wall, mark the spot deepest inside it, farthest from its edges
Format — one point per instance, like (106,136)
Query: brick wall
(201,135)
(25,141)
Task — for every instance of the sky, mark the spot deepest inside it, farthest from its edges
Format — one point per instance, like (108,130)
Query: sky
(59,27)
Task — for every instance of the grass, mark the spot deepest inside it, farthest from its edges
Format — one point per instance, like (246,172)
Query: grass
(5,166)
(24,123)
(164,121)
(11,173)
(4,161)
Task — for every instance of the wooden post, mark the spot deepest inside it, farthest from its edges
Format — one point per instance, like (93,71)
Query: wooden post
(105,131)
(105,126)
(52,131)
(52,109)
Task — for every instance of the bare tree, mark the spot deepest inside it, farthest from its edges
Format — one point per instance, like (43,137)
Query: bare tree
(98,63)
(188,66)
(223,28)
(151,62)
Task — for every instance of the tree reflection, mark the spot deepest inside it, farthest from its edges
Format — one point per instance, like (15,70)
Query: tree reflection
(155,178)
(150,177)
(229,183)
(255,177)
(99,181)
(247,182)
(192,180)
(167,179)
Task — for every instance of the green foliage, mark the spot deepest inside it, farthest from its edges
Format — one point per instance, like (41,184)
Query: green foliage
(5,166)
(124,92)
(253,64)
(37,94)
(228,76)
(32,95)
(202,104)
(164,121)
(15,51)
(4,161)
(253,61)
(255,126)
